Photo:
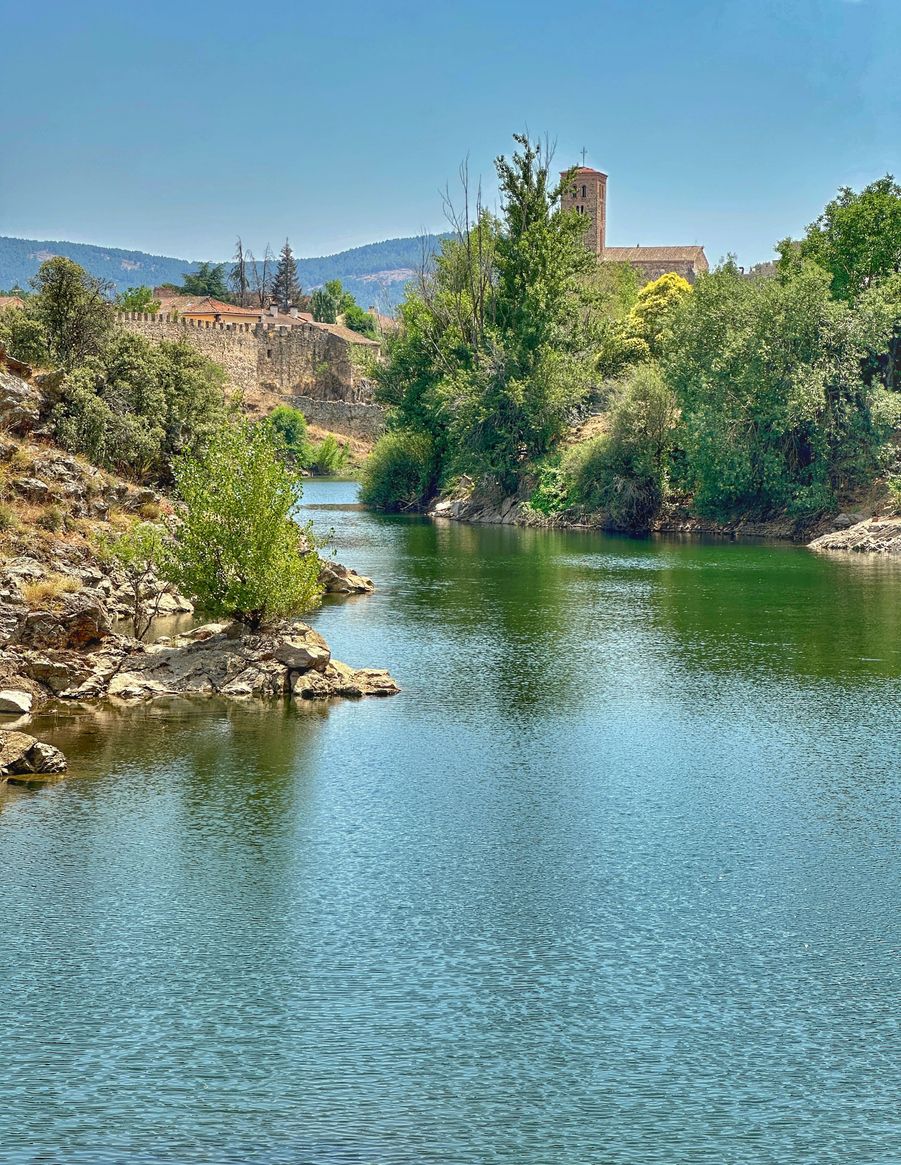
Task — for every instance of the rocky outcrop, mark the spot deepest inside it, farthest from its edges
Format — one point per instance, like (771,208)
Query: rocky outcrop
(341,580)
(871,536)
(22,758)
(223,659)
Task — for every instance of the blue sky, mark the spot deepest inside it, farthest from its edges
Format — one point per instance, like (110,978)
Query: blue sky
(173,127)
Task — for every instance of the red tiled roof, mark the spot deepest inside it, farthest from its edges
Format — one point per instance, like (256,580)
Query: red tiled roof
(208,305)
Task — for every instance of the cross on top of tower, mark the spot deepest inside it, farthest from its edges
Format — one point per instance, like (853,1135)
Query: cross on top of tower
(584,152)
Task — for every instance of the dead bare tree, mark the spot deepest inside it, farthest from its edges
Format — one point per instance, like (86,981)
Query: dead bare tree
(238,276)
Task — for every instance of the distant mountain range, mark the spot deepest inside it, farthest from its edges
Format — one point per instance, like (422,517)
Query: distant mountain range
(376,274)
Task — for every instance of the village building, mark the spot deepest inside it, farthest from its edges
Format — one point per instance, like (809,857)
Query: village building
(588,196)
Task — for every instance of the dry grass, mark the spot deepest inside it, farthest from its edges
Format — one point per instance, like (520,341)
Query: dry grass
(46,591)
(150,511)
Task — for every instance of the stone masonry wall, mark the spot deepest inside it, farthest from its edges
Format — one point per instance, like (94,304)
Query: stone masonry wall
(649,270)
(366,421)
(301,363)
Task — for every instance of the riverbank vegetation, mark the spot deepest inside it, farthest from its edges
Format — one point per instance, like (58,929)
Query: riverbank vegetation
(742,396)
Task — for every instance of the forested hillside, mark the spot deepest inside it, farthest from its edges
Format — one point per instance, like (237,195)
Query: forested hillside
(375,274)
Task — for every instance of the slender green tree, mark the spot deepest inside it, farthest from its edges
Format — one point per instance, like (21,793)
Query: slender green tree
(285,288)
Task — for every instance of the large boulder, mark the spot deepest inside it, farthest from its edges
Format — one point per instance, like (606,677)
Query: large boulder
(21,755)
(300,648)
(80,621)
(337,579)
(20,403)
(14,702)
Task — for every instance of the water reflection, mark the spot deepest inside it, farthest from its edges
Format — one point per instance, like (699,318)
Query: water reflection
(615,878)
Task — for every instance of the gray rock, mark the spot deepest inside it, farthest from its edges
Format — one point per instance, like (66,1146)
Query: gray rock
(82,621)
(21,755)
(302,649)
(20,403)
(337,579)
(872,536)
(14,702)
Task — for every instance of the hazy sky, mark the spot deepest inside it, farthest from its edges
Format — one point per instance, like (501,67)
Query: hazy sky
(172,127)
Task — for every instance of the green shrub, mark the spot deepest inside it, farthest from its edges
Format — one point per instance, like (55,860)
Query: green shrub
(238,551)
(8,519)
(616,479)
(553,489)
(893,486)
(328,458)
(624,472)
(137,405)
(289,428)
(23,336)
(53,519)
(399,474)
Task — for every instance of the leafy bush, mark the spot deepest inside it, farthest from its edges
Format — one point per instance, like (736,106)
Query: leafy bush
(8,520)
(893,486)
(137,299)
(553,489)
(776,413)
(399,474)
(136,405)
(139,553)
(328,458)
(238,551)
(289,428)
(52,519)
(359,320)
(624,472)
(23,336)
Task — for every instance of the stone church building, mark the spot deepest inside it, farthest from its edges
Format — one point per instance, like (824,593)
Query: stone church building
(588,195)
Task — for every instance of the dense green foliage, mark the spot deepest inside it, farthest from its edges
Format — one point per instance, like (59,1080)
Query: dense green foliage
(776,414)
(324,306)
(135,405)
(624,472)
(238,551)
(400,472)
(208,279)
(72,311)
(137,299)
(329,457)
(289,431)
(493,354)
(127,404)
(332,303)
(740,396)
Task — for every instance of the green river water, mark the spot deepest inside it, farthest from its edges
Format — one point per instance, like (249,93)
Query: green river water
(614,881)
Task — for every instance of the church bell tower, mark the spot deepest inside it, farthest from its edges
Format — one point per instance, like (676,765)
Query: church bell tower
(587,194)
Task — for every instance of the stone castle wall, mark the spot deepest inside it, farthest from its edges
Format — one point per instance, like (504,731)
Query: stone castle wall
(649,271)
(302,363)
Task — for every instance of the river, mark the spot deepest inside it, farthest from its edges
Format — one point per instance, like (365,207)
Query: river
(614,881)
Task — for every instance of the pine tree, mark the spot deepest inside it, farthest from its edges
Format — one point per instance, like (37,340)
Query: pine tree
(285,288)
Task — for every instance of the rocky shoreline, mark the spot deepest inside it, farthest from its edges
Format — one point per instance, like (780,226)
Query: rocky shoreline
(63,608)
(845,532)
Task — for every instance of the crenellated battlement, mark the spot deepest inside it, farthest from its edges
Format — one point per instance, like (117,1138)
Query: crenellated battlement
(300,360)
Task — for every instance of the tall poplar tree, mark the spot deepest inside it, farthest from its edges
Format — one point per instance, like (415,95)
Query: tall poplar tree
(285,288)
